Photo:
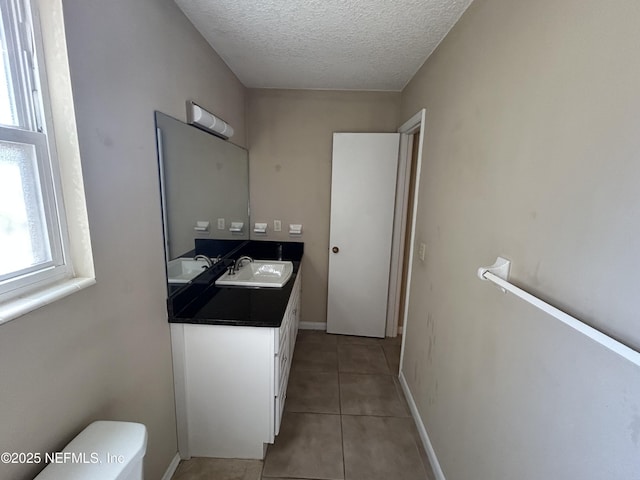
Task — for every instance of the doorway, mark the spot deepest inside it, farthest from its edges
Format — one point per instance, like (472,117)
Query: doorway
(407,191)
(408,227)
(383,291)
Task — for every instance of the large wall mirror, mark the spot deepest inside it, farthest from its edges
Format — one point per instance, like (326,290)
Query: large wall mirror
(203,179)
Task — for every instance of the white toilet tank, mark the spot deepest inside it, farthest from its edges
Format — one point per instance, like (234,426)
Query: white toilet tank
(103,451)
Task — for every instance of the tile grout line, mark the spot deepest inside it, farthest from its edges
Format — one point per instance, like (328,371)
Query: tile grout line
(379,374)
(344,462)
(374,416)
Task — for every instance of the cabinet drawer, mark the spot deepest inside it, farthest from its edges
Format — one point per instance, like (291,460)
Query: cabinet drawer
(293,328)
(279,409)
(283,362)
(283,366)
(282,389)
(282,333)
(280,365)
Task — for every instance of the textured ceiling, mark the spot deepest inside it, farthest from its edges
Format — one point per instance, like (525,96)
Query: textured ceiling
(324,44)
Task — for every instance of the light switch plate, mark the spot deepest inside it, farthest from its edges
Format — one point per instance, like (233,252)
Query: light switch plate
(422,251)
(277,226)
(221,224)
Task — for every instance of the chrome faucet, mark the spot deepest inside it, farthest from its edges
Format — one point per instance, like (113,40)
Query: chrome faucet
(206,259)
(238,263)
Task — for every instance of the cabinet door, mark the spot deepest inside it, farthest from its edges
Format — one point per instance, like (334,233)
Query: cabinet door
(283,361)
(279,407)
(361,210)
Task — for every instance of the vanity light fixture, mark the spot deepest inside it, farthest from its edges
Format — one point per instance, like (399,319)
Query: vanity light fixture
(199,117)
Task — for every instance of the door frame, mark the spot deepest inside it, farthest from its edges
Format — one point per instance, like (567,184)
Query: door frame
(416,123)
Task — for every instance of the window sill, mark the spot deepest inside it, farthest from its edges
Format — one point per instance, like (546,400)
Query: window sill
(17,307)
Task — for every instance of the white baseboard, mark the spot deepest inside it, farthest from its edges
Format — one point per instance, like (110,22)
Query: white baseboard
(172,468)
(431,453)
(313,326)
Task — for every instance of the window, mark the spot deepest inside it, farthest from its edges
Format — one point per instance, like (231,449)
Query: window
(34,243)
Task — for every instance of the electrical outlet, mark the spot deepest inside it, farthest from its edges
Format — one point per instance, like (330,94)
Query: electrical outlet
(277,226)
(422,251)
(221,224)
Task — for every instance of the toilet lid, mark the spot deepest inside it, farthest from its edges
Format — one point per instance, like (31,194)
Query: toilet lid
(104,450)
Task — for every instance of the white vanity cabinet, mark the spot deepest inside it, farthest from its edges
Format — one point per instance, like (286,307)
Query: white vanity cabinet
(231,384)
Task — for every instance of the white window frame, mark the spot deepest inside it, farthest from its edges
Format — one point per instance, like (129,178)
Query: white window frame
(31,288)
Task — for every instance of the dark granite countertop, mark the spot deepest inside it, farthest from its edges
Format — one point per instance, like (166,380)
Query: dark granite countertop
(204,303)
(243,306)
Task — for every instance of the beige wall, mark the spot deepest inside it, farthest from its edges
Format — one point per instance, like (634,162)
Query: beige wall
(290,138)
(104,353)
(531,153)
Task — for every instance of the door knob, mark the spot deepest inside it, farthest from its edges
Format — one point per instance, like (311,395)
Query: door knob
(335,249)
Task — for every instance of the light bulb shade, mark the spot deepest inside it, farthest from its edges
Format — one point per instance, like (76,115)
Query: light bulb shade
(203,119)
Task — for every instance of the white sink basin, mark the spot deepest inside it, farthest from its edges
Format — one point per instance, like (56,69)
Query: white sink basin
(183,270)
(259,273)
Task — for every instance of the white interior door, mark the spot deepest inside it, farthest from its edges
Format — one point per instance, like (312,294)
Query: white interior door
(363,185)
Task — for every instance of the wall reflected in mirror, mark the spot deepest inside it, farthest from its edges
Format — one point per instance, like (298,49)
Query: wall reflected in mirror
(204,193)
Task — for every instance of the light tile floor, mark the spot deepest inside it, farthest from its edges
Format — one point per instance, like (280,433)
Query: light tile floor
(345,419)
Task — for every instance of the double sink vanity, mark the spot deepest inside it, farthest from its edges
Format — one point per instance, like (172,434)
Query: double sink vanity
(233,302)
(233,338)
